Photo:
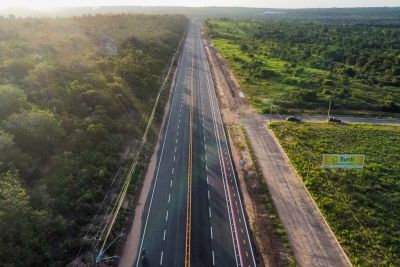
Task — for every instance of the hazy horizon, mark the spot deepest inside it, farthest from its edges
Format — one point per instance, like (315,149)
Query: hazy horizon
(44,4)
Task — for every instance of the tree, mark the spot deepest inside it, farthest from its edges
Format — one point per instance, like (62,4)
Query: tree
(12,100)
(15,70)
(12,158)
(23,230)
(389,105)
(36,132)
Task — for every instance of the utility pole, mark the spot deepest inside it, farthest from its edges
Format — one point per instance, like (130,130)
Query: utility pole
(329,109)
(270,112)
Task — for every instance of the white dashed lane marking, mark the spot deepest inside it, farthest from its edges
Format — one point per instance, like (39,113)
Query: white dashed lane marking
(161,258)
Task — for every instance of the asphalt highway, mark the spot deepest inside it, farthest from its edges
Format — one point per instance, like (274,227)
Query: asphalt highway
(194,214)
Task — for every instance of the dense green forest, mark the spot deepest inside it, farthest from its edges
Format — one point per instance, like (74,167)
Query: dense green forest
(73,94)
(301,65)
(361,205)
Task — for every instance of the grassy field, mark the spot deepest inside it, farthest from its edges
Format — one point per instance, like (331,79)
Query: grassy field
(298,76)
(361,205)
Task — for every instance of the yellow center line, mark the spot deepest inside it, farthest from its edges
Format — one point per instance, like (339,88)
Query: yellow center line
(189,193)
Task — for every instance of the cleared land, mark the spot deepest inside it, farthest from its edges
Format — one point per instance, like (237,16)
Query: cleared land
(361,206)
(310,238)
(299,66)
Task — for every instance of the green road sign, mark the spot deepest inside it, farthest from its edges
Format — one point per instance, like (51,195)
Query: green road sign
(343,161)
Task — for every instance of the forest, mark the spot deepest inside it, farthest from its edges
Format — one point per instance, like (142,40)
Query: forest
(74,96)
(299,65)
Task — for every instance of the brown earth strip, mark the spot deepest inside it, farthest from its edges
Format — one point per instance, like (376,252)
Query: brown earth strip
(309,235)
(272,247)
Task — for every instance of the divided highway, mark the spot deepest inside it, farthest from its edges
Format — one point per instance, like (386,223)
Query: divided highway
(194,215)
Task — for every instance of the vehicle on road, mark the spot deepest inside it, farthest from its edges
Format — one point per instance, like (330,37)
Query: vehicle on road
(334,120)
(293,119)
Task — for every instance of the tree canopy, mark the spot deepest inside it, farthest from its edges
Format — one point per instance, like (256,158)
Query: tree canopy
(73,92)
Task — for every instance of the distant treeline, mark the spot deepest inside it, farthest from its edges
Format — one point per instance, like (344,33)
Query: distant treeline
(73,93)
(381,14)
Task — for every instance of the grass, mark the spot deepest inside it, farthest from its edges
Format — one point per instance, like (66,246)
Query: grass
(361,205)
(258,89)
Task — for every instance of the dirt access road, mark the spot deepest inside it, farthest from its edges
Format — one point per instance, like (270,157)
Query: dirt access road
(345,119)
(310,236)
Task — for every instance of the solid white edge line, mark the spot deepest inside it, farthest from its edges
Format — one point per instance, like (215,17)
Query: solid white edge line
(230,160)
(162,149)
(219,149)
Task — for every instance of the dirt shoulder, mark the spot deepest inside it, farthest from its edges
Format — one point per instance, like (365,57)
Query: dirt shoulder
(272,246)
(309,235)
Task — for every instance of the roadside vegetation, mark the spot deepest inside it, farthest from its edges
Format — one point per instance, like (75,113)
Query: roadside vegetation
(74,96)
(299,66)
(360,205)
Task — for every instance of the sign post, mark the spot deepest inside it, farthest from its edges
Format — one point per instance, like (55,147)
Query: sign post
(343,161)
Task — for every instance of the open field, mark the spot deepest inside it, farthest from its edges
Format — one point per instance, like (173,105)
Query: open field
(361,206)
(298,67)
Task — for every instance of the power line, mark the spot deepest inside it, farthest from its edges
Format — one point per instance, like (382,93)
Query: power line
(107,224)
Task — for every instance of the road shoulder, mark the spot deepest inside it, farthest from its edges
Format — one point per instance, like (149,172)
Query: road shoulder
(309,234)
(131,246)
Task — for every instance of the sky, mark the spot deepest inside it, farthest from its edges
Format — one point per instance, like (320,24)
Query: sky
(40,4)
